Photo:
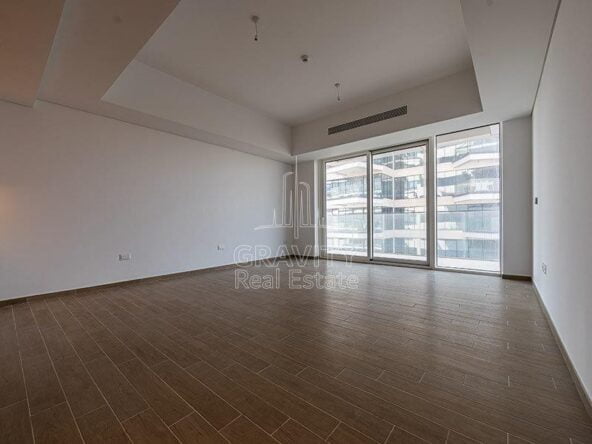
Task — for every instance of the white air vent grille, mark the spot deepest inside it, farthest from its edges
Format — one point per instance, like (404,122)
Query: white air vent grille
(397,112)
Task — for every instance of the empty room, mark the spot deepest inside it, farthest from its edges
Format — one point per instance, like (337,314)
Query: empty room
(295,221)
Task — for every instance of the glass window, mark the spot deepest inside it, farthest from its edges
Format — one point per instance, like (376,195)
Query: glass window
(399,204)
(468,199)
(346,206)
(465,200)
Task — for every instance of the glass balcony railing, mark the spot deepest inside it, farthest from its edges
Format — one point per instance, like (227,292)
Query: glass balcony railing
(407,221)
(486,221)
(473,186)
(478,186)
(337,195)
(472,147)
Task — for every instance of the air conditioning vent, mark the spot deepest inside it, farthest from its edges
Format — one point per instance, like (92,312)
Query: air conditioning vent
(390,114)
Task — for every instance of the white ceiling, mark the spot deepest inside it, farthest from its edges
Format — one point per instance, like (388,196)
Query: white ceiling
(27,29)
(508,41)
(382,51)
(373,48)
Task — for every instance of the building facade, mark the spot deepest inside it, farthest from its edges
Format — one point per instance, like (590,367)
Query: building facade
(467,202)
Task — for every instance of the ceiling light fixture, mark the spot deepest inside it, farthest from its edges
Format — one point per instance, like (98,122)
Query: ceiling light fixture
(304,58)
(338,88)
(255,20)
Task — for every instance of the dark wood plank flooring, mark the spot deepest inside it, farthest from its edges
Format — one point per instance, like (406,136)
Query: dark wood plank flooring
(408,356)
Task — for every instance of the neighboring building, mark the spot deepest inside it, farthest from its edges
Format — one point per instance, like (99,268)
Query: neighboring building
(468,202)
(346,202)
(468,199)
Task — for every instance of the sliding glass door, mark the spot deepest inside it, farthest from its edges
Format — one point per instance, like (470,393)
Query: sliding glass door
(399,203)
(380,205)
(397,227)
(468,199)
(346,206)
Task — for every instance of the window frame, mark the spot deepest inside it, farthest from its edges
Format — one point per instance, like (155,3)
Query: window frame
(501,200)
(431,208)
(369,258)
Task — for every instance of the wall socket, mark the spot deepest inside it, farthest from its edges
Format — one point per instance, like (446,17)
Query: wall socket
(220,247)
(125,256)
(544,267)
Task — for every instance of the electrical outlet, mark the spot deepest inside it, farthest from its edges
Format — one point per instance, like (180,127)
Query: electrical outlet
(220,247)
(544,267)
(125,257)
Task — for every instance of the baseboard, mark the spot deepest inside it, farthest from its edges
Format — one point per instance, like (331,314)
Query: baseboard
(516,277)
(572,370)
(142,280)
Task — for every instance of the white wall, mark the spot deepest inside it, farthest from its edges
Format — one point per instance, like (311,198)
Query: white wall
(77,189)
(562,162)
(517,197)
(307,242)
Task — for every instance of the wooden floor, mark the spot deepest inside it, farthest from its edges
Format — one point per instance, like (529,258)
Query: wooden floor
(409,356)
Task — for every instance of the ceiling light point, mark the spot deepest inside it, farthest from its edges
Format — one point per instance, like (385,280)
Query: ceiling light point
(338,88)
(304,58)
(255,20)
